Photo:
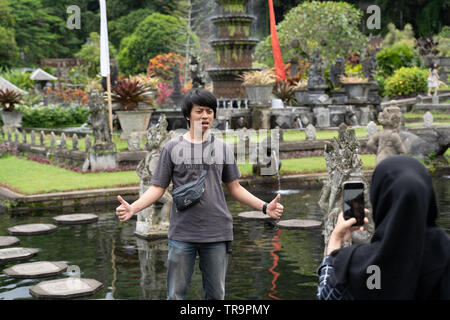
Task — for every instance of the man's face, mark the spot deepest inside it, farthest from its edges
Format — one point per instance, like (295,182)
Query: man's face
(201,117)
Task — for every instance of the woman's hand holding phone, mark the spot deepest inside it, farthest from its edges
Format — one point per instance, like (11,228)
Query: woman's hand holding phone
(343,230)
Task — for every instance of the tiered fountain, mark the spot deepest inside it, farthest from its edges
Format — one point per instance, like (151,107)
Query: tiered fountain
(233,49)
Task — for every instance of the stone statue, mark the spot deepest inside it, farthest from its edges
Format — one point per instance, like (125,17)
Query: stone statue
(336,71)
(369,65)
(343,164)
(156,217)
(176,94)
(99,122)
(316,79)
(387,143)
(196,74)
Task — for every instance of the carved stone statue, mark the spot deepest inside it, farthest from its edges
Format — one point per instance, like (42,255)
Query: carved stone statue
(343,164)
(336,71)
(387,143)
(99,122)
(196,74)
(316,77)
(369,65)
(156,217)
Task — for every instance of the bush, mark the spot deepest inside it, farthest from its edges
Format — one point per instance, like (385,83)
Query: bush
(406,81)
(20,79)
(444,42)
(52,116)
(396,57)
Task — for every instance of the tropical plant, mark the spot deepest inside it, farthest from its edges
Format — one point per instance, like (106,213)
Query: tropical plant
(300,85)
(284,91)
(151,83)
(164,93)
(259,77)
(129,93)
(8,99)
(67,96)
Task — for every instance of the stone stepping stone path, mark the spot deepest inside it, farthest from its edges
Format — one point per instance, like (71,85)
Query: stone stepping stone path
(16,253)
(8,241)
(36,269)
(254,215)
(76,218)
(32,229)
(299,224)
(66,288)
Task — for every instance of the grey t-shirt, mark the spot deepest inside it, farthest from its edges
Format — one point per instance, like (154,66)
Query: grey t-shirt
(182,162)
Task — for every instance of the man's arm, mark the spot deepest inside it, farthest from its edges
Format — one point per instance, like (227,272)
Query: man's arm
(238,192)
(125,211)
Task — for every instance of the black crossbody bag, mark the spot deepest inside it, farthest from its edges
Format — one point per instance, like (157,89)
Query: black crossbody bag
(187,195)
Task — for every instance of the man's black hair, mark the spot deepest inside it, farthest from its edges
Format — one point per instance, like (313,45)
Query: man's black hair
(200,97)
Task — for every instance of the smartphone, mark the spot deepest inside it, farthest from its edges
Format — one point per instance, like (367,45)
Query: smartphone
(353,194)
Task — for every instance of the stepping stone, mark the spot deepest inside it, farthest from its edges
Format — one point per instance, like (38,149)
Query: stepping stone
(254,215)
(8,241)
(16,253)
(37,269)
(76,218)
(299,224)
(66,288)
(32,229)
(157,235)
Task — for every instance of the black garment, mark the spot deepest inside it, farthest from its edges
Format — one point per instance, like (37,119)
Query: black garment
(413,254)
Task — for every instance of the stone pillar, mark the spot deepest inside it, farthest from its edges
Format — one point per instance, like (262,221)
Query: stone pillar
(260,116)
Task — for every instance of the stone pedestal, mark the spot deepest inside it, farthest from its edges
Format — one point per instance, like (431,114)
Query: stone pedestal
(102,157)
(260,116)
(322,116)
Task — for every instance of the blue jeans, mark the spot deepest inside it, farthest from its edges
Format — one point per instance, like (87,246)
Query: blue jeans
(213,265)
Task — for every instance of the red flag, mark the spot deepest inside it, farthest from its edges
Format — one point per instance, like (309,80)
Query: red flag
(279,65)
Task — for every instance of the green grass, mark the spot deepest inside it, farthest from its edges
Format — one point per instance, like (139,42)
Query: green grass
(31,177)
(306,165)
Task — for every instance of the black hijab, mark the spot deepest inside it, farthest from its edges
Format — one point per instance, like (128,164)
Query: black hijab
(412,253)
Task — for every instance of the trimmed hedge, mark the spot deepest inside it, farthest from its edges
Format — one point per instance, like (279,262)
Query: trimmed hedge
(52,116)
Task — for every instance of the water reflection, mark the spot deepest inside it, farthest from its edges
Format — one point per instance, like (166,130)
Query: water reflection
(266,263)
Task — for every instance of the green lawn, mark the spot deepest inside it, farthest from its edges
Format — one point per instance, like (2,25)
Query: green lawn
(32,177)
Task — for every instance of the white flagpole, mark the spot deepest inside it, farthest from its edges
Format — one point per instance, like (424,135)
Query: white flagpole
(104,57)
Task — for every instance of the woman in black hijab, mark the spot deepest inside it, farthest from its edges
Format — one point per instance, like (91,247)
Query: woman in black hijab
(410,250)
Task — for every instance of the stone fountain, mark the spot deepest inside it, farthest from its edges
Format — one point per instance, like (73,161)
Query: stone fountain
(233,49)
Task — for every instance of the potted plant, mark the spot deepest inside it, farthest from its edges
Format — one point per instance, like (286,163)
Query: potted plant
(8,99)
(356,86)
(128,94)
(150,85)
(259,85)
(301,91)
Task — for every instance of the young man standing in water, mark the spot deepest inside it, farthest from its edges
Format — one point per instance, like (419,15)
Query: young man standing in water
(205,228)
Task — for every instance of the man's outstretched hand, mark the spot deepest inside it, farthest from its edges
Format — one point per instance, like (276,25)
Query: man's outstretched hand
(275,209)
(124,211)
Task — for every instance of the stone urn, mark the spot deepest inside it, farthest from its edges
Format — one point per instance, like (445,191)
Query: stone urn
(302,97)
(134,121)
(357,92)
(259,94)
(12,118)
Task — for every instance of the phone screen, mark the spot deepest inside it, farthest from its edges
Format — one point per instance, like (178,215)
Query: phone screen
(354,202)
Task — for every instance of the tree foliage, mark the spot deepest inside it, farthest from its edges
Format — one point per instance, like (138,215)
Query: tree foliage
(330,26)
(157,34)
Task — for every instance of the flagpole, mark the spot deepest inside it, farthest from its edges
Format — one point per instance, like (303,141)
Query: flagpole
(108,87)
